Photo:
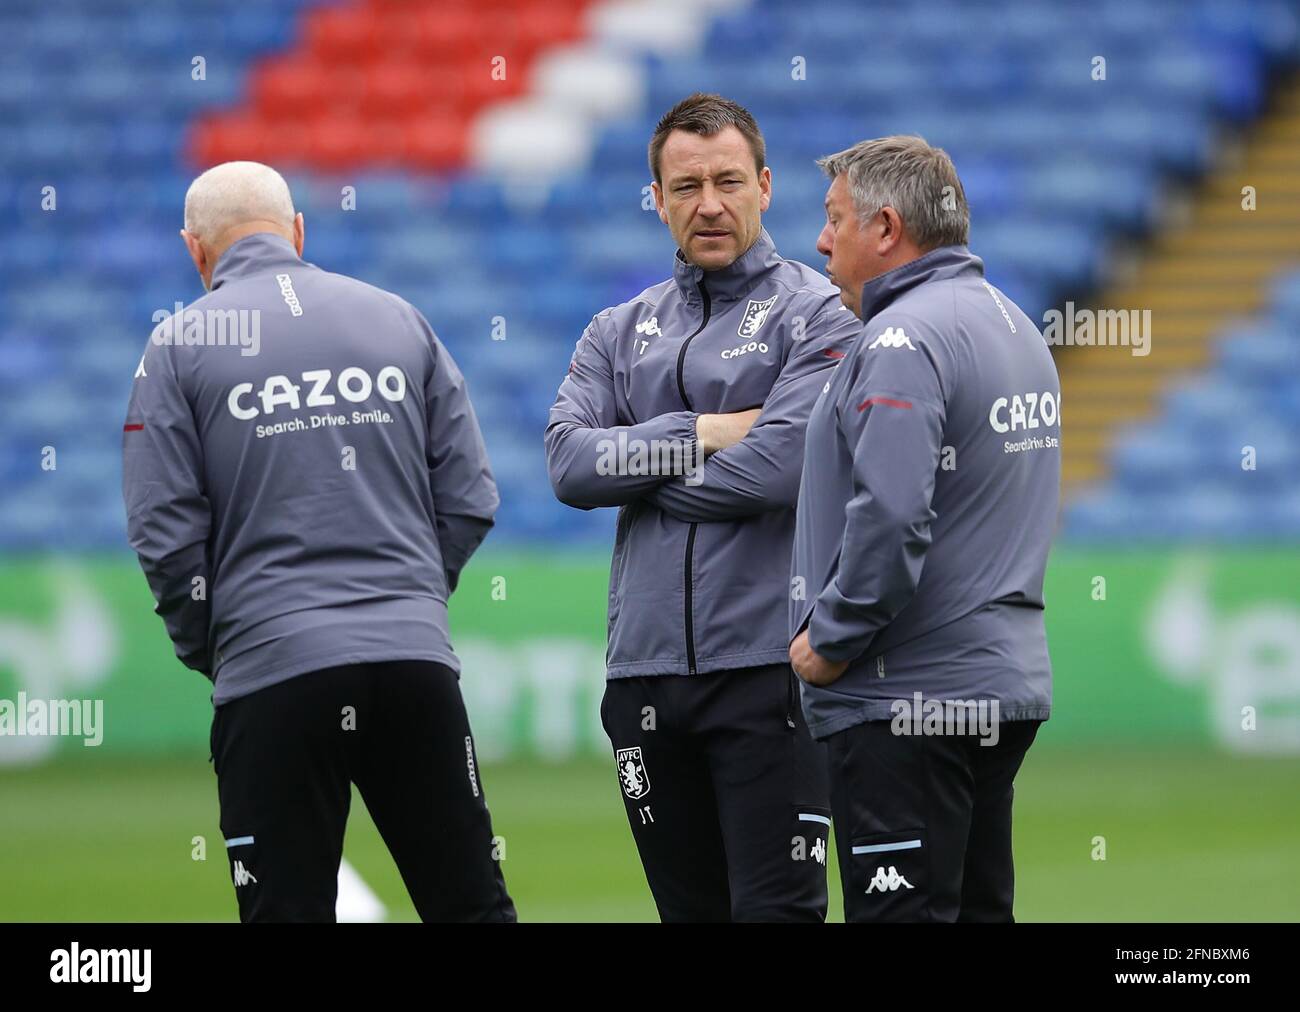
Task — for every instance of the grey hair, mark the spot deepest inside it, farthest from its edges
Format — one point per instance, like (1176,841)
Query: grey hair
(916,180)
(233,193)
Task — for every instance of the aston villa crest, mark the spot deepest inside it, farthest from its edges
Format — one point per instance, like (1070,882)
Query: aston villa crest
(631,773)
(755,313)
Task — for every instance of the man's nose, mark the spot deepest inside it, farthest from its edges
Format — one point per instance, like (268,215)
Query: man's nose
(710,205)
(824,243)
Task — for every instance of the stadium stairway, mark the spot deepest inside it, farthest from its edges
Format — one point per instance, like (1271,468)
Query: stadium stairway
(1210,268)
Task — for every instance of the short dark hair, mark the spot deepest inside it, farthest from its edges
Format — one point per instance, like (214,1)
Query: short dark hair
(706,115)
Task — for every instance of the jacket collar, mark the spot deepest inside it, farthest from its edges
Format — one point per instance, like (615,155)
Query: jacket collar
(727,284)
(937,265)
(254,254)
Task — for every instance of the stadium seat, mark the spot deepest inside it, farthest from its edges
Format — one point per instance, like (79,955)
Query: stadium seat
(397,100)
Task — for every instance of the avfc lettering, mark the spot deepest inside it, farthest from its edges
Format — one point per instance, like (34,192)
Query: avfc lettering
(632,773)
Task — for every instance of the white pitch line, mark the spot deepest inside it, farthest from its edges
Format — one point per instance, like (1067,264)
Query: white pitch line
(357,902)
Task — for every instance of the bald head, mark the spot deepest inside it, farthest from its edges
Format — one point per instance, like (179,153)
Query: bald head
(235,193)
(234,200)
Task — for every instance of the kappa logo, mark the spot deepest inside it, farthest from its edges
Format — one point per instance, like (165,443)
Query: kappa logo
(755,316)
(892,338)
(631,773)
(650,326)
(888,883)
(242,875)
(290,297)
(469,762)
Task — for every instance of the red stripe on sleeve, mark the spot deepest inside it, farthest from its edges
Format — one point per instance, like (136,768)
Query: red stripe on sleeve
(888,402)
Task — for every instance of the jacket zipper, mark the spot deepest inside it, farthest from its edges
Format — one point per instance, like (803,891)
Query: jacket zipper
(690,604)
(690,536)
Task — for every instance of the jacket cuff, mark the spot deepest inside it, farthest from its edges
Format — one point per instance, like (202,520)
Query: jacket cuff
(679,427)
(829,645)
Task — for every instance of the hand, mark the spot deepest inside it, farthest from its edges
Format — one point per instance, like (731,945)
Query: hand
(811,666)
(717,432)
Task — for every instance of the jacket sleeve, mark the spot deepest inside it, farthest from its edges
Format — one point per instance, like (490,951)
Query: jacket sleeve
(891,418)
(465,497)
(761,472)
(168,515)
(583,440)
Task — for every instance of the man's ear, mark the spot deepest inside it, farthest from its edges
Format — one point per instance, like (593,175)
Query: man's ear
(891,231)
(299,232)
(658,192)
(195,250)
(764,189)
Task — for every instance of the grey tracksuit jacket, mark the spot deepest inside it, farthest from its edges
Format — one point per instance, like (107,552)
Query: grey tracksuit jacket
(929,497)
(312,504)
(700,573)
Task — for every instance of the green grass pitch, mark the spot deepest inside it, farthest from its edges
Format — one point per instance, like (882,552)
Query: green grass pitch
(1189,836)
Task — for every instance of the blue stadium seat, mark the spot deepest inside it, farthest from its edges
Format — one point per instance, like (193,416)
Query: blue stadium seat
(99,98)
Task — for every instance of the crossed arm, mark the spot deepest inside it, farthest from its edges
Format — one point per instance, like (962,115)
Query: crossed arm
(752,458)
(583,429)
(717,432)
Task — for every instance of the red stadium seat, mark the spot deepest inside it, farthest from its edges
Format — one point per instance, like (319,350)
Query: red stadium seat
(285,87)
(345,34)
(228,137)
(387,82)
(436,143)
(537,26)
(394,89)
(336,141)
(443,32)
